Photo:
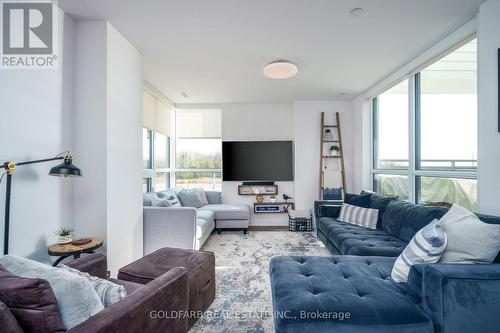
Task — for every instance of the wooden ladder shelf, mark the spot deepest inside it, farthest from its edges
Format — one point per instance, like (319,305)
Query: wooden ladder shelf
(324,158)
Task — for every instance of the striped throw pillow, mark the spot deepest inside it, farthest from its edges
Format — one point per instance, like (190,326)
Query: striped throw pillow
(108,292)
(364,217)
(426,247)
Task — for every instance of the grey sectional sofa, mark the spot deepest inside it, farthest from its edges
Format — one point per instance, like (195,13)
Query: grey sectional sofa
(189,227)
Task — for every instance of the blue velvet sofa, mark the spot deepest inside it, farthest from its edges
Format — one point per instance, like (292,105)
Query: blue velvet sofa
(352,291)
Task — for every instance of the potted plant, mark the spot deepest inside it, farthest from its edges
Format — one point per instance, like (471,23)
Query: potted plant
(272,199)
(334,150)
(65,235)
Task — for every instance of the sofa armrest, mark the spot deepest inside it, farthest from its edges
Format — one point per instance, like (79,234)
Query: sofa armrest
(159,306)
(214,197)
(461,297)
(7,321)
(327,208)
(169,227)
(95,264)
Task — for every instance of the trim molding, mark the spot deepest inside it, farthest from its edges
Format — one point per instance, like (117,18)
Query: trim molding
(153,90)
(268,228)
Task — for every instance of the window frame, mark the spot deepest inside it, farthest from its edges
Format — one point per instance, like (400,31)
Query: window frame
(414,171)
(149,174)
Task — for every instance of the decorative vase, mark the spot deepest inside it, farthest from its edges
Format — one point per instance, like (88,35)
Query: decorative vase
(65,239)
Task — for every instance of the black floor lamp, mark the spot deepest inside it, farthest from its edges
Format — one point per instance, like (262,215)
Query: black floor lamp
(65,169)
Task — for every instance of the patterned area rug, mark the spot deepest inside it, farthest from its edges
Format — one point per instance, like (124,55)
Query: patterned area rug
(243,300)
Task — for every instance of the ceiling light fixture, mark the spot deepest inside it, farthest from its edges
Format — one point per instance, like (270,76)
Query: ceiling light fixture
(357,11)
(280,69)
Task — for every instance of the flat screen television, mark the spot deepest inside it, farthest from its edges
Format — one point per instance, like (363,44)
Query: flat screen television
(257,161)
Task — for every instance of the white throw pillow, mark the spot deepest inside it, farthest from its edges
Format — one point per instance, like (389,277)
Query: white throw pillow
(76,297)
(427,246)
(108,292)
(364,217)
(470,240)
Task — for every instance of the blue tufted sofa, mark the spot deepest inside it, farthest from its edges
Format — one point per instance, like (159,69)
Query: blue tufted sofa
(352,291)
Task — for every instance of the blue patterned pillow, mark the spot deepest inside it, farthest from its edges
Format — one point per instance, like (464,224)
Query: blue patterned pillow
(426,247)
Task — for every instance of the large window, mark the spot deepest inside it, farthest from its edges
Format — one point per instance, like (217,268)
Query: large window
(448,111)
(198,149)
(425,133)
(390,128)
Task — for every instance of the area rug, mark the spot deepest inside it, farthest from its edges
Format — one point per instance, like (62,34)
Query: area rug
(243,300)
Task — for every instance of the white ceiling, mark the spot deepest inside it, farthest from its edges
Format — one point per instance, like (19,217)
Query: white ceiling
(214,51)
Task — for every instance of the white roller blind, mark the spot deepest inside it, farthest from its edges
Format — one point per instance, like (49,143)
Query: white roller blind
(156,114)
(149,110)
(199,123)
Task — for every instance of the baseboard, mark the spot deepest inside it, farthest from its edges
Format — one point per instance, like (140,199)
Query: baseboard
(268,228)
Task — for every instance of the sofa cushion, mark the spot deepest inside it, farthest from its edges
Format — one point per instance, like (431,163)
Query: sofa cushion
(108,292)
(360,286)
(364,217)
(380,202)
(205,214)
(192,198)
(203,227)
(426,247)
(171,196)
(213,197)
(147,198)
(76,297)
(403,219)
(360,200)
(470,240)
(355,240)
(229,211)
(493,220)
(129,286)
(160,202)
(31,301)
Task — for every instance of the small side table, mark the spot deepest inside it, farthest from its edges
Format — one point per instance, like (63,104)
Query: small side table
(66,250)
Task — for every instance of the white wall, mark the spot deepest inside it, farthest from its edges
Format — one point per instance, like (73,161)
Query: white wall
(36,109)
(89,146)
(307,137)
(123,150)
(108,141)
(258,122)
(299,122)
(489,138)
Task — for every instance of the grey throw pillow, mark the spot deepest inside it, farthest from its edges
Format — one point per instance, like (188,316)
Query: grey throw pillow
(159,202)
(171,197)
(203,195)
(76,297)
(191,198)
(108,292)
(470,240)
(147,198)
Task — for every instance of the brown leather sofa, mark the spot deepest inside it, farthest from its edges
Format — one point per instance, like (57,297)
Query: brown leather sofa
(167,292)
